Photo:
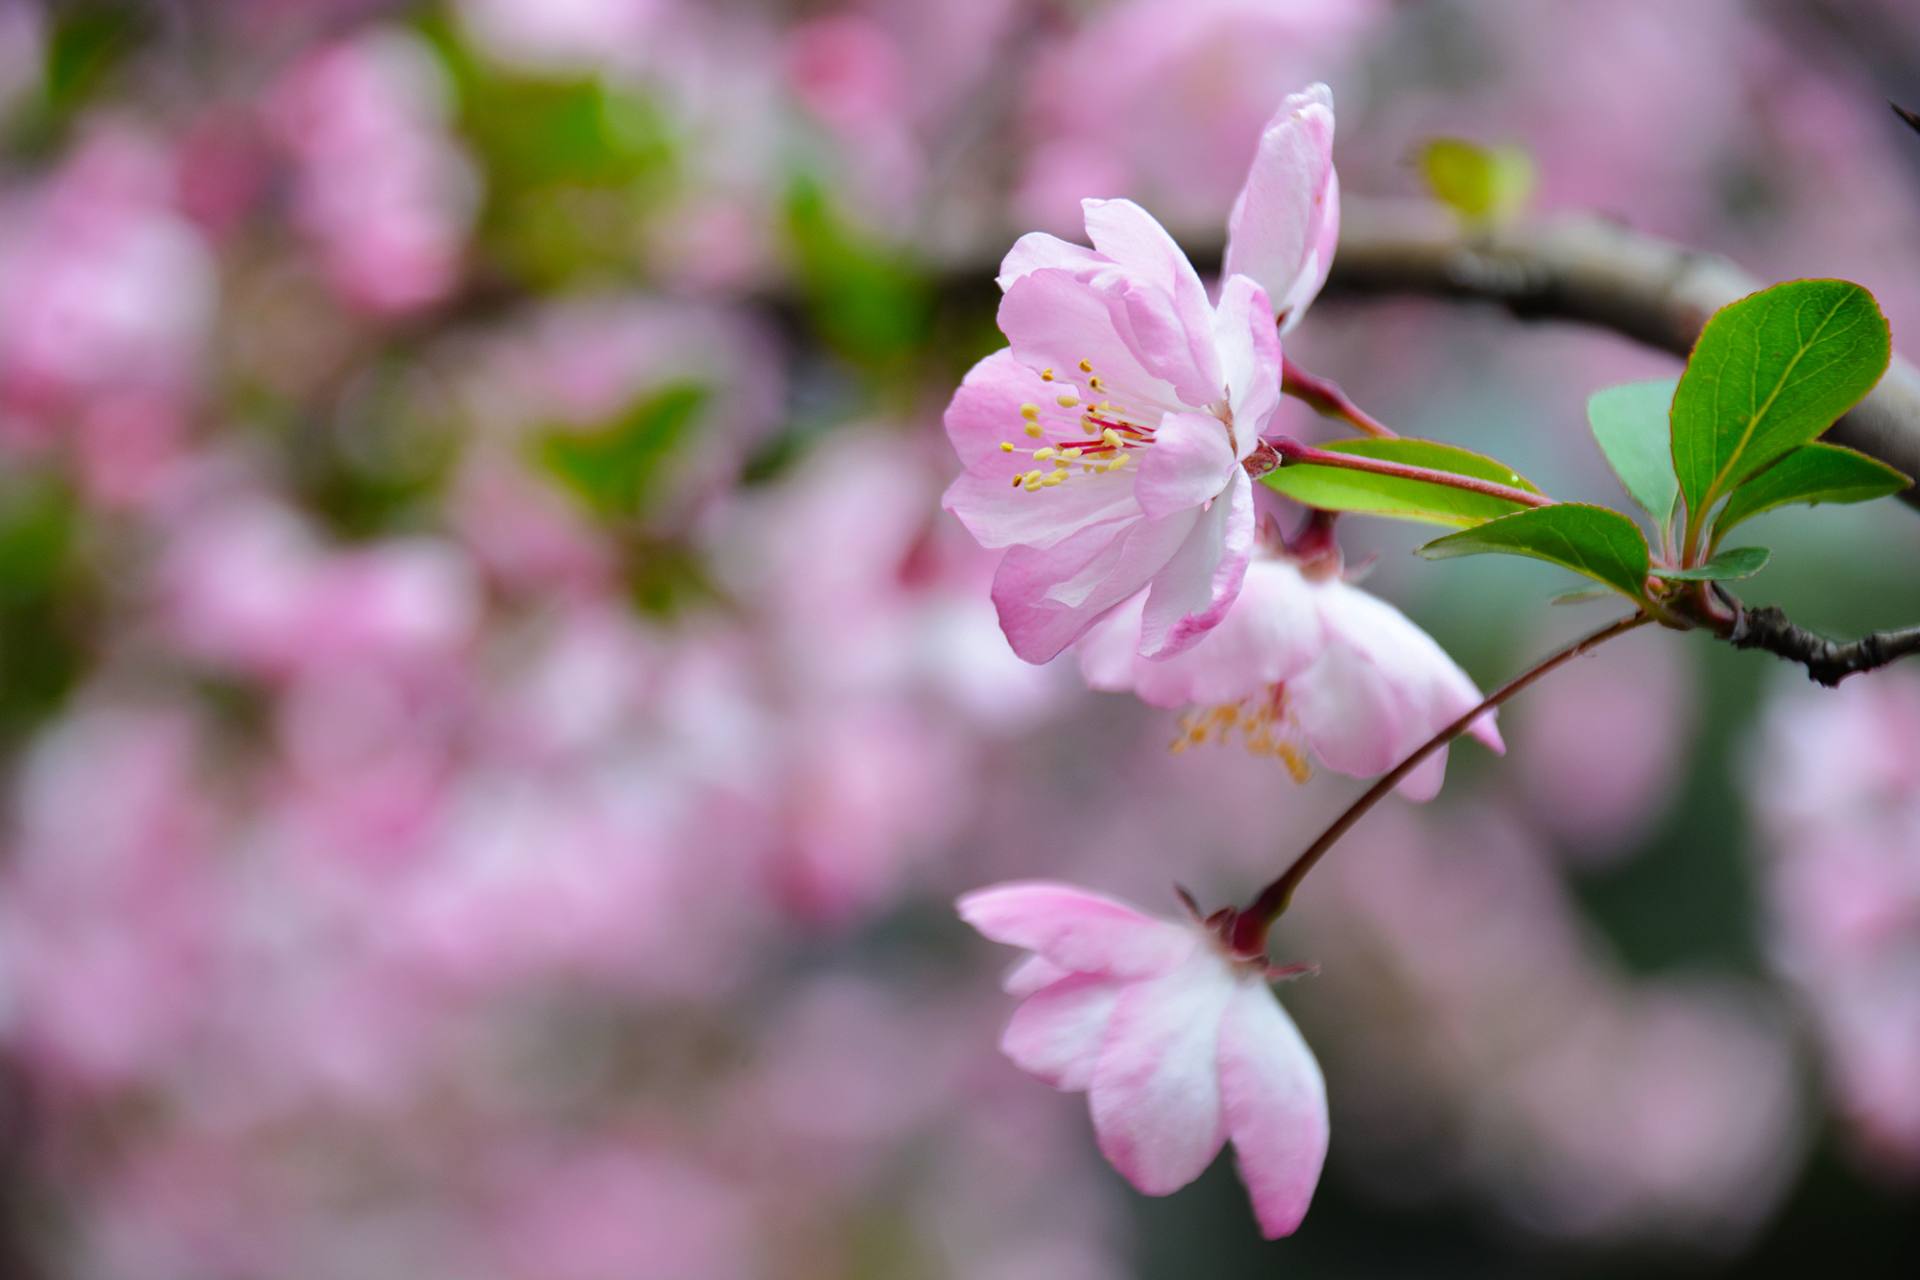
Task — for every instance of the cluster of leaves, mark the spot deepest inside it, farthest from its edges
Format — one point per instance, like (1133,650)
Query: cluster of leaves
(1737,434)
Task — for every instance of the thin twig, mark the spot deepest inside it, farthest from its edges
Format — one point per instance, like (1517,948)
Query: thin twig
(1828,662)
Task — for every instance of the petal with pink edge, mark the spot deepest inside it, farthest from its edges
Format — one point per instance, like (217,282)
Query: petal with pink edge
(1286,218)
(1275,1101)
(1055,319)
(1271,634)
(1057,1032)
(1201,580)
(1155,1095)
(1079,931)
(1190,462)
(1249,348)
(1048,597)
(1037,250)
(1166,314)
(1030,975)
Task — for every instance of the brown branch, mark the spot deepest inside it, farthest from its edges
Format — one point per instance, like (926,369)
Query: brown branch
(1592,271)
(1828,662)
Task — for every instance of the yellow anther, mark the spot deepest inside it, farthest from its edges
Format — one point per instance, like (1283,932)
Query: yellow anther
(1296,763)
(1053,478)
(1111,438)
(1068,454)
(1042,454)
(1006,446)
(1030,411)
(1086,366)
(1035,430)
(1093,383)
(1068,400)
(1046,375)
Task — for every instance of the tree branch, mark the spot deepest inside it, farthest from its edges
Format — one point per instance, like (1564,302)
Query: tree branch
(1828,662)
(1593,271)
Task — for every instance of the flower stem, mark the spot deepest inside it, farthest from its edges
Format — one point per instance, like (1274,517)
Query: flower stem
(1292,452)
(1325,397)
(1253,921)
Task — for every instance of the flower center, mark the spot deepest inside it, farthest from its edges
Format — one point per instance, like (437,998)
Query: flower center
(1263,722)
(1084,431)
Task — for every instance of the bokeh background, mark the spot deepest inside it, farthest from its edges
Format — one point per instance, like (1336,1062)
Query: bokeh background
(492,717)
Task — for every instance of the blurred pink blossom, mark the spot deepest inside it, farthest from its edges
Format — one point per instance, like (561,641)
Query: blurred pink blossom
(1302,664)
(1178,1042)
(381,188)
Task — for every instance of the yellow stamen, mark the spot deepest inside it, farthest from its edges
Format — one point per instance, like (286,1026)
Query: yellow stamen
(1086,366)
(1035,430)
(1068,401)
(1030,411)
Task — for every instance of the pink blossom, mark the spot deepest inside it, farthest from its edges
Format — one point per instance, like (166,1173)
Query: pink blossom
(1117,358)
(1305,663)
(1116,355)
(1177,1041)
(1286,219)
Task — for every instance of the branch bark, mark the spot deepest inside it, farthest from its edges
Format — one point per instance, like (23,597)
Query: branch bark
(1594,271)
(1828,662)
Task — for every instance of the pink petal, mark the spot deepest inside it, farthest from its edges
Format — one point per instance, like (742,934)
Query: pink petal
(1057,1032)
(1037,250)
(1276,1107)
(1030,975)
(1348,711)
(1079,931)
(1286,219)
(1166,310)
(1048,597)
(1189,464)
(1056,318)
(1155,1094)
(1271,634)
(1249,357)
(1202,579)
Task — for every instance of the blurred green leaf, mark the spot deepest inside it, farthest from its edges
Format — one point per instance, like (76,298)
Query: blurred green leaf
(613,470)
(1593,541)
(1481,184)
(42,600)
(1769,374)
(1728,566)
(869,300)
(1813,473)
(1630,424)
(1340,489)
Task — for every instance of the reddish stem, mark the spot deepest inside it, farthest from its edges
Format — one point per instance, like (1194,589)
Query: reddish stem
(1292,451)
(1325,397)
(1252,923)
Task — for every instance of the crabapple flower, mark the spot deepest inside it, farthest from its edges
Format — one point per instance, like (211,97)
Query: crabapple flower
(1286,219)
(1176,1039)
(1305,665)
(1103,446)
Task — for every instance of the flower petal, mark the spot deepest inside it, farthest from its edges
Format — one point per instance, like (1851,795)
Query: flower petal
(1037,250)
(1057,1032)
(1201,580)
(1049,597)
(1155,1094)
(1079,931)
(1166,308)
(1030,975)
(1286,219)
(1190,462)
(1249,358)
(1271,634)
(1275,1101)
(1055,319)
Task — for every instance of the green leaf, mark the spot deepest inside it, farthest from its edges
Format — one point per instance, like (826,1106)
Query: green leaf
(1769,374)
(1481,184)
(1340,489)
(1630,424)
(1601,544)
(1813,473)
(1583,595)
(1728,566)
(612,469)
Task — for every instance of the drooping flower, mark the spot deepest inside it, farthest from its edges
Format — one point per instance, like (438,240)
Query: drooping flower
(1104,446)
(1305,666)
(1176,1039)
